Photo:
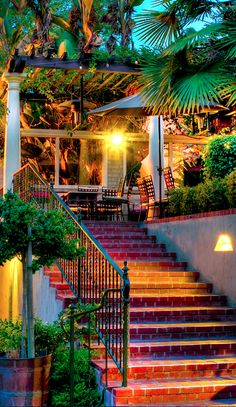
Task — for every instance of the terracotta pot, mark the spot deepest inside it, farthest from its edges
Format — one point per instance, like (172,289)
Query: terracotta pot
(24,382)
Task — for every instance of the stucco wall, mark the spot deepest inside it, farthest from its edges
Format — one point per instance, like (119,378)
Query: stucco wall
(46,306)
(11,290)
(194,241)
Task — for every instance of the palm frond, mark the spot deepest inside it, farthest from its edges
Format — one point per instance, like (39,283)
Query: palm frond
(157,28)
(229,92)
(193,92)
(194,38)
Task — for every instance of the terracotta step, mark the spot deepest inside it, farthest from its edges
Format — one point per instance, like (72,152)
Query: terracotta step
(174,275)
(151,255)
(209,403)
(149,392)
(180,348)
(176,369)
(209,299)
(155,331)
(170,285)
(130,245)
(182,314)
(177,348)
(157,265)
(123,237)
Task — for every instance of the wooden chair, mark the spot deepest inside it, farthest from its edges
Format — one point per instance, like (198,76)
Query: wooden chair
(110,207)
(169,179)
(152,204)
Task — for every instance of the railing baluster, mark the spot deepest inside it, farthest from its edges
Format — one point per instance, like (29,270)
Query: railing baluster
(90,276)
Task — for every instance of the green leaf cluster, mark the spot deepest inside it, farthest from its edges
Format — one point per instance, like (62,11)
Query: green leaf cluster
(220,156)
(210,195)
(49,237)
(86,393)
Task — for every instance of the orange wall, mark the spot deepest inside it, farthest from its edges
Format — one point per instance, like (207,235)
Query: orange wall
(10,289)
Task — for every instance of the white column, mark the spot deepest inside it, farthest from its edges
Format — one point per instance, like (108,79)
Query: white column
(150,163)
(12,149)
(57,161)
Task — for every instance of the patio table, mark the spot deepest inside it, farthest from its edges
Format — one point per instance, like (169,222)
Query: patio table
(83,200)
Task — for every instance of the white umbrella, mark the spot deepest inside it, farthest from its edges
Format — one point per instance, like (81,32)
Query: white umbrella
(130,106)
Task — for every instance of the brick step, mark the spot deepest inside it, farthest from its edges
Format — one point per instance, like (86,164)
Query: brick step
(152,277)
(123,237)
(132,245)
(170,285)
(61,286)
(149,392)
(209,403)
(173,275)
(182,314)
(150,265)
(151,255)
(177,300)
(168,291)
(187,368)
(67,297)
(182,330)
(107,223)
(177,349)
(116,229)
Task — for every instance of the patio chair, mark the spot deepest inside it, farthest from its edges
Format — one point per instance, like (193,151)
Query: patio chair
(110,207)
(152,204)
(169,179)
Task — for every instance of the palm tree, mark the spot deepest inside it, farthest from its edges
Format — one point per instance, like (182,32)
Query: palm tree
(188,69)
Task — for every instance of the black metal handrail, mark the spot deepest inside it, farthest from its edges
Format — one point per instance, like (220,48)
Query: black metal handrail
(89,276)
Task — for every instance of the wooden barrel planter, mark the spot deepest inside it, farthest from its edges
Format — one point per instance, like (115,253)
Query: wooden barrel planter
(24,382)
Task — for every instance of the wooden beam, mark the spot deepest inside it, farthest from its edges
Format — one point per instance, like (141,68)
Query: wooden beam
(83,67)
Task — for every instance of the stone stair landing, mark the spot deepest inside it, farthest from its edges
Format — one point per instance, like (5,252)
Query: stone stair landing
(182,335)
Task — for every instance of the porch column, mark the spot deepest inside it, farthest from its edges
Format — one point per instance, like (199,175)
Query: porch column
(12,149)
(155,158)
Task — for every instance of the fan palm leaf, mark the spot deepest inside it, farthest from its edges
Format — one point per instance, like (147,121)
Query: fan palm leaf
(160,28)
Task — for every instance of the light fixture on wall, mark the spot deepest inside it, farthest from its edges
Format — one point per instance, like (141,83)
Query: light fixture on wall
(117,139)
(224,243)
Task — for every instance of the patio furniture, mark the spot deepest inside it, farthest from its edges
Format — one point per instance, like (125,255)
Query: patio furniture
(169,179)
(110,207)
(148,199)
(82,201)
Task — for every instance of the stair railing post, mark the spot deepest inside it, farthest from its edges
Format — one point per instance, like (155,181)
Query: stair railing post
(72,347)
(126,301)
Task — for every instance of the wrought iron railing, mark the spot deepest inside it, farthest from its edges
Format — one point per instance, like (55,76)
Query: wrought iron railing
(89,276)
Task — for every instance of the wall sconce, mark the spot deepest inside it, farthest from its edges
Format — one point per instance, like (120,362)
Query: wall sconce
(223,244)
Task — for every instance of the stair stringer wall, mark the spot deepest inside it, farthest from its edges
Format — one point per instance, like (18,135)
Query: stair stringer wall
(46,306)
(194,239)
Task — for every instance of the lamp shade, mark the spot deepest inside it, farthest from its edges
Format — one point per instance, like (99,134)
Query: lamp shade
(223,244)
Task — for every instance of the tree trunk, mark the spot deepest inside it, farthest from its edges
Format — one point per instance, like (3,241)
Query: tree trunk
(24,309)
(30,308)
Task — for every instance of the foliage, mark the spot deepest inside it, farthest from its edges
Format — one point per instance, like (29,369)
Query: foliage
(49,233)
(210,195)
(195,68)
(220,156)
(86,393)
(10,336)
(231,188)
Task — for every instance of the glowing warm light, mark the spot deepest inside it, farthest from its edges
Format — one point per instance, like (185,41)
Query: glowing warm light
(223,244)
(117,139)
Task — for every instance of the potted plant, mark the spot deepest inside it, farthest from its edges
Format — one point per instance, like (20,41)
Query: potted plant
(25,231)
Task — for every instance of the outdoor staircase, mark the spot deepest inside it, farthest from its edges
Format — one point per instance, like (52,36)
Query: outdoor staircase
(182,336)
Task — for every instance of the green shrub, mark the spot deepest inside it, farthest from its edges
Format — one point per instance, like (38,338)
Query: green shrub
(10,336)
(85,391)
(208,196)
(231,189)
(220,156)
